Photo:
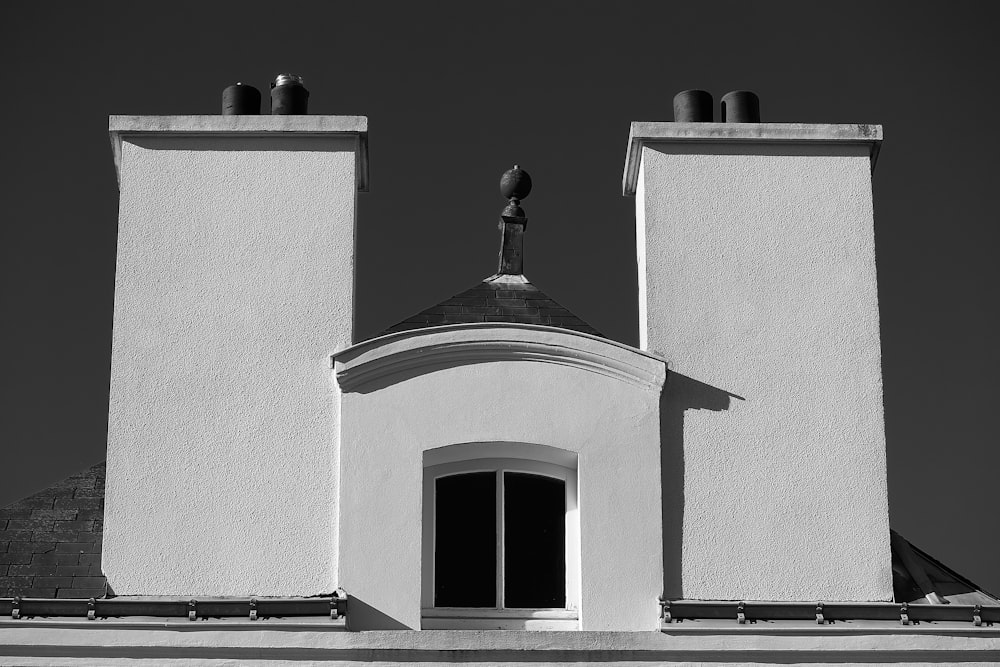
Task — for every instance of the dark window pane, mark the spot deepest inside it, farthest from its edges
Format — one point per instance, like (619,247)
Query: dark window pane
(465,547)
(534,541)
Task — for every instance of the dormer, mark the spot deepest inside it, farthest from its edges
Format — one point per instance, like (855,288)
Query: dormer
(483,448)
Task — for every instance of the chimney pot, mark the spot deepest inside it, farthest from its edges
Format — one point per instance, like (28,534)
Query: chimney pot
(240,99)
(289,96)
(740,106)
(693,106)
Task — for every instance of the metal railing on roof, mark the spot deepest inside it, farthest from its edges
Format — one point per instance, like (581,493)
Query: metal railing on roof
(252,608)
(335,607)
(824,613)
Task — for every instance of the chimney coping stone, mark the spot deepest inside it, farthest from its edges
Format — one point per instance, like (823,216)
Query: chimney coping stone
(244,125)
(642,133)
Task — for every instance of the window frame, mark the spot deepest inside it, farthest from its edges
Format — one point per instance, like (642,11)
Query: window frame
(499,616)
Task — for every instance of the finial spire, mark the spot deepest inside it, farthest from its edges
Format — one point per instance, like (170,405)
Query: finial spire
(515,185)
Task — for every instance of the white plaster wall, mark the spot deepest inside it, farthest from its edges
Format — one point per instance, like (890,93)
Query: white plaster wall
(612,424)
(234,283)
(758,267)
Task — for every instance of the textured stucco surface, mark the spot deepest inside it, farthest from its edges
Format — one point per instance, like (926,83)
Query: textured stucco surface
(566,391)
(758,269)
(233,285)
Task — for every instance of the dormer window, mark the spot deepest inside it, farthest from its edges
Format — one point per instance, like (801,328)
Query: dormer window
(502,547)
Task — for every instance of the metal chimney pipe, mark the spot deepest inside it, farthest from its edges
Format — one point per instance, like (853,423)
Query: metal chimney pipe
(740,106)
(289,96)
(240,99)
(693,106)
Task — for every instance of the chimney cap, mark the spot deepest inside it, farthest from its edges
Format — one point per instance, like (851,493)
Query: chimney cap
(288,79)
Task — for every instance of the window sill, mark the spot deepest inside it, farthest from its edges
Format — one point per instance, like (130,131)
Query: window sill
(464,618)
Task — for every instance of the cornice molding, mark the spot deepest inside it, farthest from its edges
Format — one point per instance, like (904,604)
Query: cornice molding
(433,348)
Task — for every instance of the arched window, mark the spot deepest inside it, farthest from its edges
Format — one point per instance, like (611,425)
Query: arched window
(501,542)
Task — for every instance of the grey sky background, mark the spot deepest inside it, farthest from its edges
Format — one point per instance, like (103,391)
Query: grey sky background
(457,92)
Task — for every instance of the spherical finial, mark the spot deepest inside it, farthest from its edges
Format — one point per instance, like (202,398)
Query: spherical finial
(515,183)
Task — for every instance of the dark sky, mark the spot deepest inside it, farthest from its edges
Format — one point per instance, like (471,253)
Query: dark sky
(457,92)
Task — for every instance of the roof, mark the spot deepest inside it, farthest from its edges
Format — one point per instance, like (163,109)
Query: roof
(499,298)
(920,578)
(50,543)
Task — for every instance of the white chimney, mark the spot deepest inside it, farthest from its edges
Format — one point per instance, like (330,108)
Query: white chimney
(757,281)
(234,284)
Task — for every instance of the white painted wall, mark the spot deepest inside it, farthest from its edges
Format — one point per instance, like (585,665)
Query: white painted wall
(409,393)
(234,283)
(757,265)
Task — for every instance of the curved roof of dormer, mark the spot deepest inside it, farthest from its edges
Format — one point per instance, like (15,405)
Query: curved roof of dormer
(386,359)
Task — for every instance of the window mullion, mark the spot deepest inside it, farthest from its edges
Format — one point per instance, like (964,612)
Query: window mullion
(500,539)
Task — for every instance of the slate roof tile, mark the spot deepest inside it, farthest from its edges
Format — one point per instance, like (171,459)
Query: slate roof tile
(500,298)
(50,542)
(917,577)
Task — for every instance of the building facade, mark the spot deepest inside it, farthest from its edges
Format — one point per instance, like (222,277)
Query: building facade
(492,480)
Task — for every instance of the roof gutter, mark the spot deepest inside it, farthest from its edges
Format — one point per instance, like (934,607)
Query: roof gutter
(824,613)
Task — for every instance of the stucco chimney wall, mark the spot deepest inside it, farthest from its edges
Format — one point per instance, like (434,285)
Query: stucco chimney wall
(234,284)
(757,280)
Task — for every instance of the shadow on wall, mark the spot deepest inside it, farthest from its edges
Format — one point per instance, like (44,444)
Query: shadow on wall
(363,616)
(680,394)
(236,143)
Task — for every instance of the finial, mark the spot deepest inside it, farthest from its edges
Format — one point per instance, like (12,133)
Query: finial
(515,185)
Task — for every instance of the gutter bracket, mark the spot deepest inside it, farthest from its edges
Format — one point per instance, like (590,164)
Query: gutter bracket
(741,617)
(665,611)
(253,609)
(904,617)
(91,609)
(192,610)
(819,614)
(15,608)
(977,615)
